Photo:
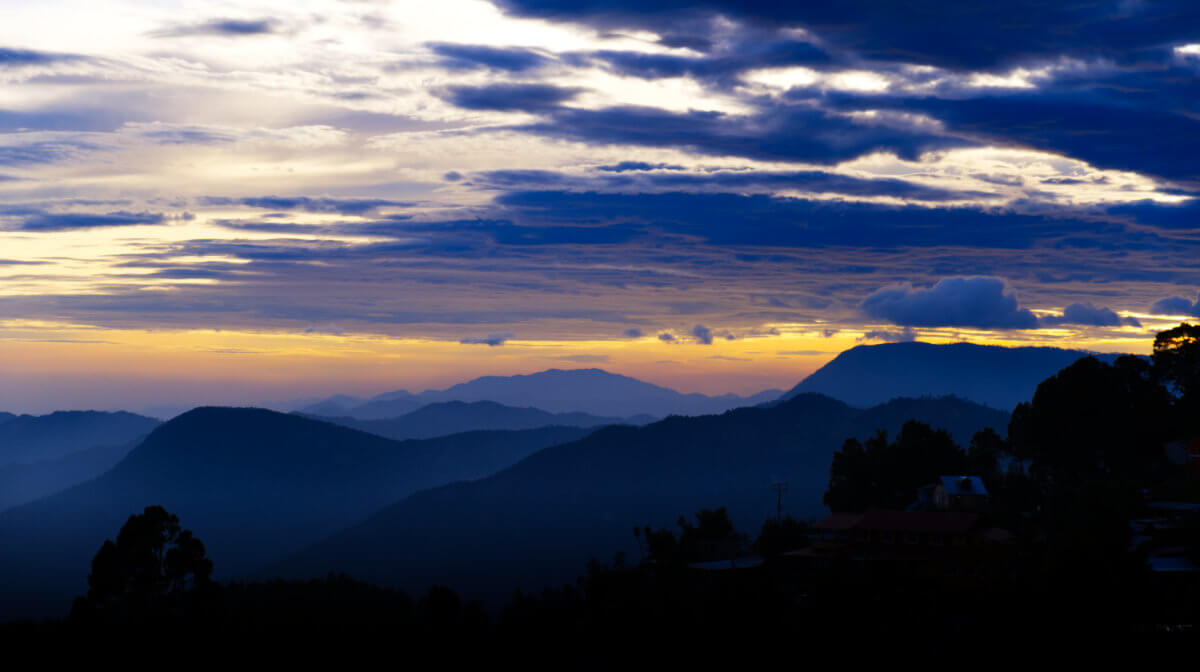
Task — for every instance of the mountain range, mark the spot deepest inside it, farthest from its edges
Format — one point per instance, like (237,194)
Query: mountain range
(252,484)
(38,438)
(995,376)
(592,391)
(277,494)
(25,482)
(538,522)
(450,417)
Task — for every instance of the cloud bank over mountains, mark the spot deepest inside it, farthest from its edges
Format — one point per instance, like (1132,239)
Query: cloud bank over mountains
(651,172)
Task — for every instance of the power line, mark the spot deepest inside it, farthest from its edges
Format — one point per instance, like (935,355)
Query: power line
(780,488)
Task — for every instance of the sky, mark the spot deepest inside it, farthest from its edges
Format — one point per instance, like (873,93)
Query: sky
(242,202)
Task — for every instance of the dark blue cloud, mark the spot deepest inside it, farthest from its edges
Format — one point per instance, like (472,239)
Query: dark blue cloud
(491,340)
(978,302)
(746,54)
(46,221)
(1176,305)
(905,335)
(222,27)
(1089,114)
(733,219)
(962,35)
(702,334)
(626,166)
(666,337)
(779,132)
(186,136)
(813,181)
(632,332)
(1087,314)
(344,206)
(509,97)
(472,57)
(1183,216)
(723,181)
(43,152)
(21,57)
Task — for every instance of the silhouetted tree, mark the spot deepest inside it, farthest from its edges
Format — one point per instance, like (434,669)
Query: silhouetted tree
(1093,419)
(148,572)
(887,475)
(713,533)
(984,453)
(1177,363)
(854,476)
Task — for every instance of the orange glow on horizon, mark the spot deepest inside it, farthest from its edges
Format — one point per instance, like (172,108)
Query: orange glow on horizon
(51,366)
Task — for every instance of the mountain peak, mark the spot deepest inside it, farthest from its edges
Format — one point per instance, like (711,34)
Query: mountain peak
(992,375)
(585,390)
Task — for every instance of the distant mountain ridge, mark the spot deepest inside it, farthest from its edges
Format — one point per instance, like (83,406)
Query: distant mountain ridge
(540,521)
(25,482)
(450,417)
(592,391)
(252,484)
(995,376)
(37,438)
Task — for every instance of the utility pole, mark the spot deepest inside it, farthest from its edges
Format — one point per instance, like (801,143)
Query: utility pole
(780,488)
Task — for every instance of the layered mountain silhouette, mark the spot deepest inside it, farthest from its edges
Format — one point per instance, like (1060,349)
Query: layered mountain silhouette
(592,391)
(5,417)
(25,482)
(540,521)
(995,376)
(451,417)
(253,484)
(38,438)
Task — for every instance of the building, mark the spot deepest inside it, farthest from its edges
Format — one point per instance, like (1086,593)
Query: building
(949,543)
(953,493)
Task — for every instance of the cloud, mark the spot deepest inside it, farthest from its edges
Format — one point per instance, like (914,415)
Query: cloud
(343,206)
(978,302)
(776,132)
(47,221)
(1087,314)
(741,49)
(1105,131)
(10,58)
(1176,305)
(666,337)
(222,27)
(627,177)
(632,332)
(491,340)
(585,359)
(22,150)
(702,334)
(762,220)
(975,35)
(331,329)
(509,97)
(906,335)
(471,57)
(626,166)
